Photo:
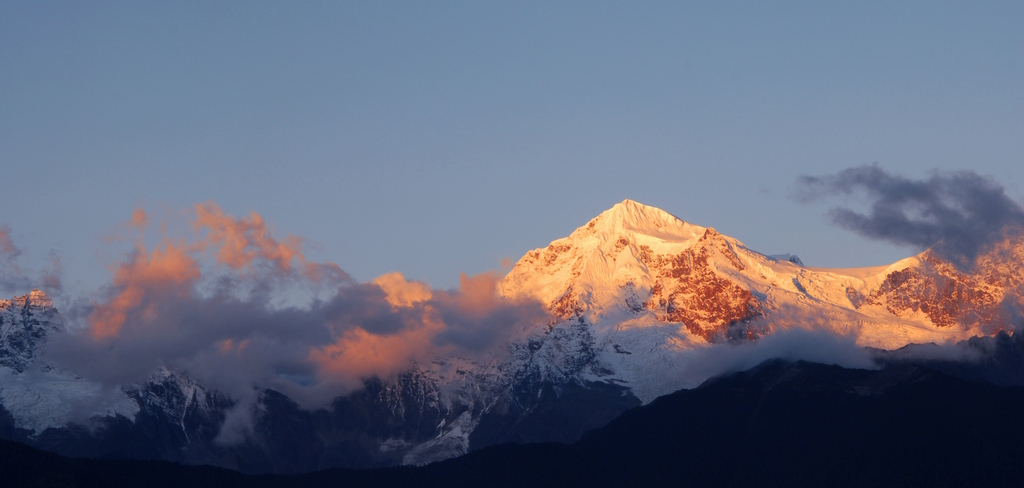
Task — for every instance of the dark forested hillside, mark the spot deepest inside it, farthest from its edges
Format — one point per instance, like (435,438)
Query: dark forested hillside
(779,424)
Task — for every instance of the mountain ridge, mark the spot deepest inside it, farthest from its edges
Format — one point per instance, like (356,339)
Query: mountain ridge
(602,264)
(644,304)
(780,423)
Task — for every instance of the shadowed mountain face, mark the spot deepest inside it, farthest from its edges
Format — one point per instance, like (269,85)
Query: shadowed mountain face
(779,424)
(998,359)
(809,424)
(787,424)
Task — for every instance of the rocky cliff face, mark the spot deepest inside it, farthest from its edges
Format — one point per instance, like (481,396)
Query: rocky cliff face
(688,290)
(986,297)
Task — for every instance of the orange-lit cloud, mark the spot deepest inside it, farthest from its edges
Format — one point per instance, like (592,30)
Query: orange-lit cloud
(169,268)
(7,247)
(467,322)
(359,355)
(400,292)
(231,346)
(478,294)
(324,273)
(201,303)
(360,352)
(175,266)
(139,219)
(239,242)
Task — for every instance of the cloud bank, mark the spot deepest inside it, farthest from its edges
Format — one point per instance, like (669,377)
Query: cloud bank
(958,213)
(203,303)
(790,344)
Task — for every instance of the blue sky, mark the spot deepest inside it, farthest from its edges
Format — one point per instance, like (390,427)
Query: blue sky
(436,138)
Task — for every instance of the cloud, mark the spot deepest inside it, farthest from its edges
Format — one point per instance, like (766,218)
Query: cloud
(419,324)
(14,280)
(202,304)
(476,317)
(51,276)
(7,248)
(143,283)
(959,213)
(402,293)
(139,219)
(959,352)
(790,344)
(240,242)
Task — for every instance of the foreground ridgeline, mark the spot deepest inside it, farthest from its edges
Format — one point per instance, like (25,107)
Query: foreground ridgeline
(779,424)
(642,305)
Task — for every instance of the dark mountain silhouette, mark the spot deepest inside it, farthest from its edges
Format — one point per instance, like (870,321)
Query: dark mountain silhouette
(778,424)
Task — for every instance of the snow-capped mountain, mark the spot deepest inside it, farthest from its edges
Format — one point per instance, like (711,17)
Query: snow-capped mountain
(654,289)
(660,269)
(37,396)
(171,416)
(24,321)
(639,295)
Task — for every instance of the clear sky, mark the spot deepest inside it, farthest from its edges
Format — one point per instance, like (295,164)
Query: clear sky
(435,138)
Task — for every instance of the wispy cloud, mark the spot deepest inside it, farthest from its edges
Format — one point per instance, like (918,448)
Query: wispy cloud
(960,213)
(12,279)
(16,280)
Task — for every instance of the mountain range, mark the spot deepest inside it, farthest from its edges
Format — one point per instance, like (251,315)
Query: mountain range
(643,304)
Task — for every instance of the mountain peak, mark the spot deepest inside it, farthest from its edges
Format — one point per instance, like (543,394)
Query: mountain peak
(39,298)
(611,255)
(35,298)
(633,216)
(635,212)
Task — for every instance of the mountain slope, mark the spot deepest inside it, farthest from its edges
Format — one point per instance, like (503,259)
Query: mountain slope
(648,282)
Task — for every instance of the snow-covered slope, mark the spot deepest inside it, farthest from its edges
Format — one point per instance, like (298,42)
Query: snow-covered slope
(654,289)
(34,393)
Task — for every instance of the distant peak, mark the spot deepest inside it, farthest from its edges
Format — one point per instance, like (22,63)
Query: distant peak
(628,205)
(628,202)
(633,211)
(37,298)
(635,216)
(787,257)
(631,206)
